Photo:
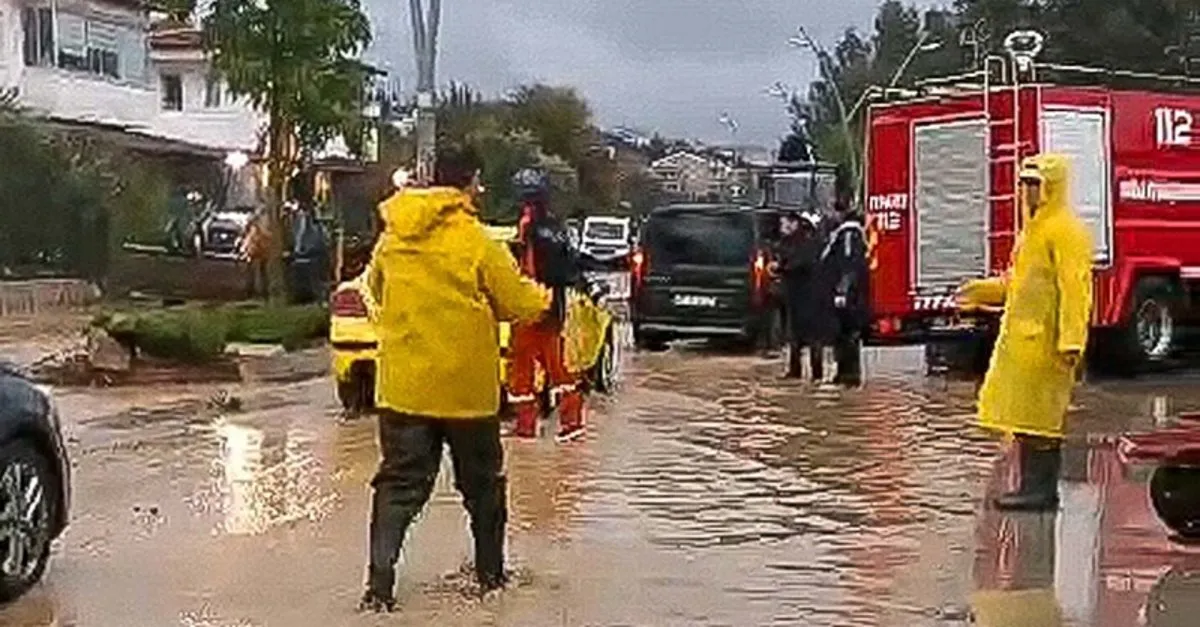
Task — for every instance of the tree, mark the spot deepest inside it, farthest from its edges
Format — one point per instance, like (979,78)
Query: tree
(296,61)
(557,116)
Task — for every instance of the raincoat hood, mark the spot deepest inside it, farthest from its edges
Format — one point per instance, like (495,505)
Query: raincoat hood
(412,214)
(1053,172)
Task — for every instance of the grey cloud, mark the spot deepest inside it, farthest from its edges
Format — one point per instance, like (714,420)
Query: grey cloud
(666,65)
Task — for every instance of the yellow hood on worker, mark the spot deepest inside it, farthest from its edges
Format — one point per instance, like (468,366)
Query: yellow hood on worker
(443,287)
(1047,311)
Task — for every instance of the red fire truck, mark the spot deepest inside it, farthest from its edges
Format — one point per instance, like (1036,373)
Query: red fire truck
(941,201)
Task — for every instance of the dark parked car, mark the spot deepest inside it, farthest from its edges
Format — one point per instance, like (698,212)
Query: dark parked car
(701,271)
(35,481)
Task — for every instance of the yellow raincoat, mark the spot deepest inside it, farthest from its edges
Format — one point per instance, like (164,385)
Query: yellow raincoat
(1047,308)
(443,286)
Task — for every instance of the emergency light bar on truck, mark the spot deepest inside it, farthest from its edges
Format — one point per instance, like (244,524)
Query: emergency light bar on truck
(940,184)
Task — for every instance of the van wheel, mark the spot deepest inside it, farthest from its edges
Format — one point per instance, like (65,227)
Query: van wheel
(1175,495)
(1150,338)
(649,342)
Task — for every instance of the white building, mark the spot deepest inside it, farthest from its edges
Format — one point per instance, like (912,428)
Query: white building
(192,104)
(693,177)
(100,63)
(78,60)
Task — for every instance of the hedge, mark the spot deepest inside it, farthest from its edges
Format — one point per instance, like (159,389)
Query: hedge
(200,333)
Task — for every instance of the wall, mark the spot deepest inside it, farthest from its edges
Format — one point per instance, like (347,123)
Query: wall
(233,125)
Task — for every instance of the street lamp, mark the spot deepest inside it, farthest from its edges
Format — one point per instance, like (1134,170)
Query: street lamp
(803,40)
(923,45)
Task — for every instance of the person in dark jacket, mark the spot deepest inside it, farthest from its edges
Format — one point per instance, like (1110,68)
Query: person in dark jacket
(546,255)
(844,262)
(309,251)
(806,295)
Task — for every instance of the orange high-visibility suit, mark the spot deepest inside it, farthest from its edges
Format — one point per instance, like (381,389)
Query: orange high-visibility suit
(545,256)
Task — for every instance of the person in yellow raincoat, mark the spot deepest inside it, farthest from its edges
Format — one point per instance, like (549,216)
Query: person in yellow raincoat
(442,286)
(1047,298)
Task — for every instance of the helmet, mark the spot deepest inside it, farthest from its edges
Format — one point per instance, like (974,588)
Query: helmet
(530,182)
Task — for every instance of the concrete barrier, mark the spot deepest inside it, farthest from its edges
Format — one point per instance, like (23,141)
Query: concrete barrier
(37,296)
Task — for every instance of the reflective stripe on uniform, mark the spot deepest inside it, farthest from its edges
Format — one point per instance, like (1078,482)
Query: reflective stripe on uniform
(522,398)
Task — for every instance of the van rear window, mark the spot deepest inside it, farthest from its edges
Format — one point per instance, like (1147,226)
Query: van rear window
(700,238)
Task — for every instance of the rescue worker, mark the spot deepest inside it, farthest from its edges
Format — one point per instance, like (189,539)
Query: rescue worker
(808,303)
(443,287)
(546,255)
(844,264)
(255,249)
(1047,298)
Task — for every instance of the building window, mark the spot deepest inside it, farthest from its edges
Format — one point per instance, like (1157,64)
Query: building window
(37,29)
(172,92)
(212,92)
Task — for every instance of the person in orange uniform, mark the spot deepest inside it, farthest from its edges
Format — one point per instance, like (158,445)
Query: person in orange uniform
(546,256)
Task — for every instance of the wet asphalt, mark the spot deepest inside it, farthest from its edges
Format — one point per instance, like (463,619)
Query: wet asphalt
(708,492)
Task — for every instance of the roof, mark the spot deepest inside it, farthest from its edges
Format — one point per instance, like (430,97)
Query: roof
(675,157)
(701,208)
(172,36)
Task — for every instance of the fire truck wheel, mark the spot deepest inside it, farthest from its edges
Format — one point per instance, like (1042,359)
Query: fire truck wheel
(1175,495)
(1149,339)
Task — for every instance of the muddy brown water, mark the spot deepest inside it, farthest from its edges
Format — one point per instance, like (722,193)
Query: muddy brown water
(708,493)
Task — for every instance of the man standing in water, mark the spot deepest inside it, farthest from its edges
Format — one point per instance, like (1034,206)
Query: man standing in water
(844,263)
(443,286)
(1047,300)
(807,300)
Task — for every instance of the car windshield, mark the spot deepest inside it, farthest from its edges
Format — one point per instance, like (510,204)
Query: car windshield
(802,191)
(604,230)
(700,238)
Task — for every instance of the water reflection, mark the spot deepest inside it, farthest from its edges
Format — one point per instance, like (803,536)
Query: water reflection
(267,478)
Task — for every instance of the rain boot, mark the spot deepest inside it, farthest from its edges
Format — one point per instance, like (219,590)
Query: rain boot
(379,597)
(795,368)
(1041,463)
(487,527)
(527,419)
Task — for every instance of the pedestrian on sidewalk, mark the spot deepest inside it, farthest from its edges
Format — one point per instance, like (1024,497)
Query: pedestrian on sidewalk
(844,266)
(443,287)
(807,297)
(546,256)
(1047,300)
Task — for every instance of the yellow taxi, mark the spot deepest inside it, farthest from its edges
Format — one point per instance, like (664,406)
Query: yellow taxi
(590,332)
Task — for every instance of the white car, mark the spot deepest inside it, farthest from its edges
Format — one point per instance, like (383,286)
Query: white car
(606,239)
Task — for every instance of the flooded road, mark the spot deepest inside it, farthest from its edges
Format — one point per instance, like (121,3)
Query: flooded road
(708,493)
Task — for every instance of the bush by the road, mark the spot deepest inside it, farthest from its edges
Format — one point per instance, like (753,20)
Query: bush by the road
(201,333)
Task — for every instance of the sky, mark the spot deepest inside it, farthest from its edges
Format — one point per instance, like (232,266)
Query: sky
(671,66)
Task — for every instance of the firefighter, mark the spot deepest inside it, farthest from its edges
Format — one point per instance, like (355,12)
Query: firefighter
(546,255)
(806,297)
(1047,307)
(844,264)
(443,286)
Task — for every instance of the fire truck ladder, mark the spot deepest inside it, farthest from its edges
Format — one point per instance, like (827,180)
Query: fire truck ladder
(1005,146)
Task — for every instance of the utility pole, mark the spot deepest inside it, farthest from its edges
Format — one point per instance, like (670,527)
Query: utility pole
(425,34)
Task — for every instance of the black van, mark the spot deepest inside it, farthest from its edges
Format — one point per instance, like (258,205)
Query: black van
(702,271)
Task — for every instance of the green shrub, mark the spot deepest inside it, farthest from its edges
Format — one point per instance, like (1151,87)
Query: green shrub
(200,333)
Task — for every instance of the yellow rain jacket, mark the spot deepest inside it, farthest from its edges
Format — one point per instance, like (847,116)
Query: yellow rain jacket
(443,286)
(1016,608)
(1047,308)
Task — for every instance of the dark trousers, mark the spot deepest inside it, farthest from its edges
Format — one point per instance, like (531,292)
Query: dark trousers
(847,351)
(256,279)
(816,359)
(412,452)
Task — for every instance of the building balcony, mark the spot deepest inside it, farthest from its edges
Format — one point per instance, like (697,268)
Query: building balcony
(81,97)
(230,129)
